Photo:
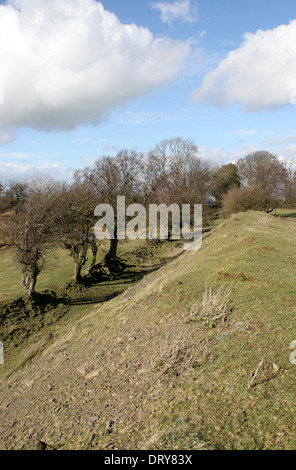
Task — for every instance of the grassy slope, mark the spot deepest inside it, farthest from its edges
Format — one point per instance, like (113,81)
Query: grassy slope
(91,381)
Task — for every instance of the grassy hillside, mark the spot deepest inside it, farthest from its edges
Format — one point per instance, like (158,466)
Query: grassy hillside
(145,371)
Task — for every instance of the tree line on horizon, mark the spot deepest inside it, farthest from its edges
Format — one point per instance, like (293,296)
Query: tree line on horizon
(45,212)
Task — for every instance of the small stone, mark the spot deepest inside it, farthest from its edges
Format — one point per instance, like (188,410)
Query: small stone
(69,425)
(93,419)
(276,368)
(243,330)
(82,369)
(29,383)
(93,374)
(132,338)
(224,336)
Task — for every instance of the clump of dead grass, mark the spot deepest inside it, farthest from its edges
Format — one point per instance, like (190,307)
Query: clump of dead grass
(175,355)
(214,306)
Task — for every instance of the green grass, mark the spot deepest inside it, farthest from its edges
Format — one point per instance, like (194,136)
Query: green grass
(204,401)
(57,270)
(58,267)
(23,323)
(255,253)
(291,213)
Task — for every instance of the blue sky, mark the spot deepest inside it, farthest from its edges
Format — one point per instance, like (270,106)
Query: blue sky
(79,83)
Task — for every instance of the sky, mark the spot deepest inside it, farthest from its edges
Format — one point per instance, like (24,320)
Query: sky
(80,79)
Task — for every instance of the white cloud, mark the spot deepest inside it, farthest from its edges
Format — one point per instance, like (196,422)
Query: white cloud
(144,117)
(260,74)
(23,155)
(110,149)
(274,142)
(221,156)
(214,155)
(288,161)
(64,63)
(243,151)
(178,10)
(246,132)
(6,137)
(288,151)
(24,171)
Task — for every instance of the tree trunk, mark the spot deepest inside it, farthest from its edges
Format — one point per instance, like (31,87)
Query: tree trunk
(77,273)
(29,282)
(94,250)
(79,254)
(112,254)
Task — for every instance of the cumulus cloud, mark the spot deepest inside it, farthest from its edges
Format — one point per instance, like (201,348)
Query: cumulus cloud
(25,171)
(287,151)
(260,74)
(6,137)
(23,155)
(64,63)
(221,156)
(274,142)
(178,10)
(214,155)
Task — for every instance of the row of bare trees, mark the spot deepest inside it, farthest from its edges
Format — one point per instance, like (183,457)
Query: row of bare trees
(48,213)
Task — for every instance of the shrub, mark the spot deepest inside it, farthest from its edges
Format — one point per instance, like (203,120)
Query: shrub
(244,199)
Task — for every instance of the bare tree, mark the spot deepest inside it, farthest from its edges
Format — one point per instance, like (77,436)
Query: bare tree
(30,228)
(169,160)
(74,219)
(111,177)
(2,197)
(2,188)
(16,192)
(176,174)
(265,173)
(290,183)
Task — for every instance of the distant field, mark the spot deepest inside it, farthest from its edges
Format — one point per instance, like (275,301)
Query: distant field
(285,213)
(59,266)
